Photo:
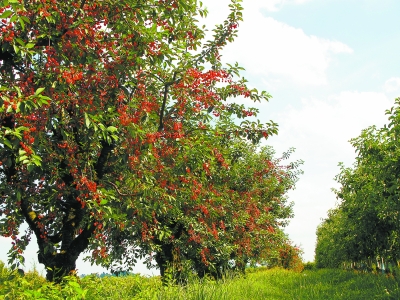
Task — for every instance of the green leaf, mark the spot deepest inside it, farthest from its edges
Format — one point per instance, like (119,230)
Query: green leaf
(13,18)
(25,19)
(16,48)
(31,167)
(112,129)
(7,143)
(6,14)
(39,91)
(23,157)
(21,42)
(21,21)
(43,100)
(103,128)
(87,121)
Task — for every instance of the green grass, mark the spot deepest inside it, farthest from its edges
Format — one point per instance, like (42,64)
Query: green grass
(260,284)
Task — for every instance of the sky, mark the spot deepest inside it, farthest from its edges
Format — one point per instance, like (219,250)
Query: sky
(331,67)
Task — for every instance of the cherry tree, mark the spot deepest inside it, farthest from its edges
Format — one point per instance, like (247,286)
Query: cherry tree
(95,95)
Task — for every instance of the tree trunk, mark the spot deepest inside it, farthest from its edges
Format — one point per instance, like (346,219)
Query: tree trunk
(62,265)
(164,259)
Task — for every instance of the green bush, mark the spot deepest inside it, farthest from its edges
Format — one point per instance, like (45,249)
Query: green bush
(310,265)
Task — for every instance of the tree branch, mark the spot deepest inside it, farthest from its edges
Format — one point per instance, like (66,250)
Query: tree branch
(122,194)
(103,158)
(166,89)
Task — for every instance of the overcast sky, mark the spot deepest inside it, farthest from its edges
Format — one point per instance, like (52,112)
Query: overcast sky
(332,67)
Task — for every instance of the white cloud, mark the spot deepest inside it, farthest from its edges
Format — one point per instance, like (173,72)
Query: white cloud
(272,49)
(275,5)
(321,129)
(392,85)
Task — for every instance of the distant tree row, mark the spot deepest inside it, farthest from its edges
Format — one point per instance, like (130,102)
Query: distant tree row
(364,229)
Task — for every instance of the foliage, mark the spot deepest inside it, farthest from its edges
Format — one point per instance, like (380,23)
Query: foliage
(364,227)
(117,122)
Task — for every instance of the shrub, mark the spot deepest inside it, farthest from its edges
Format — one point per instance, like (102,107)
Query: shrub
(310,265)
(290,258)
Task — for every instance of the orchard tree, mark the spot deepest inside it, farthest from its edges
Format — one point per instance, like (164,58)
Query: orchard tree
(364,227)
(289,257)
(257,208)
(228,208)
(95,95)
(333,241)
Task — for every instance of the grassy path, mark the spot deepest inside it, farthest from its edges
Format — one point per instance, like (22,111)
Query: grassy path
(282,284)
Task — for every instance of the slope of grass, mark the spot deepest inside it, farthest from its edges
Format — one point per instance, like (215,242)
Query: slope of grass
(263,284)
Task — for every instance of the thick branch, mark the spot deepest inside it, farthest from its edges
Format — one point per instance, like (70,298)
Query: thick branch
(67,177)
(9,170)
(31,219)
(103,158)
(164,103)
(81,243)
(55,238)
